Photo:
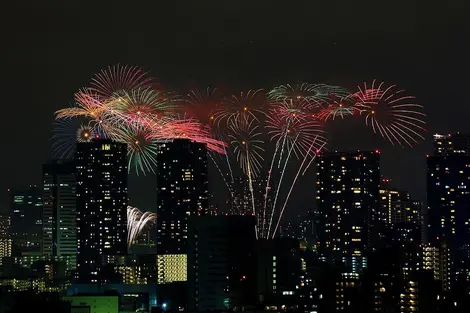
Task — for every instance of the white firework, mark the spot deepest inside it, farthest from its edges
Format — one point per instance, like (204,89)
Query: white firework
(137,222)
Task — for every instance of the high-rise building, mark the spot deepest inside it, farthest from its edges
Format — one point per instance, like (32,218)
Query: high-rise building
(448,197)
(347,203)
(401,215)
(182,191)
(222,262)
(101,207)
(59,213)
(26,220)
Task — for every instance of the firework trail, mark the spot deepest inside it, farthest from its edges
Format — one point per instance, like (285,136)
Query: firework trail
(137,222)
(293,184)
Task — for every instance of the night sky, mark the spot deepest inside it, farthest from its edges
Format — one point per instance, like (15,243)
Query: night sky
(51,50)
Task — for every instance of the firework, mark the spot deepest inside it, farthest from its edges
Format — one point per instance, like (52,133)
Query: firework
(295,133)
(201,104)
(65,135)
(137,222)
(308,92)
(338,107)
(120,79)
(245,138)
(87,105)
(291,109)
(140,107)
(392,113)
(142,147)
(239,107)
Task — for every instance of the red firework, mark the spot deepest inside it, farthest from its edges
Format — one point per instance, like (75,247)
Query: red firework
(391,112)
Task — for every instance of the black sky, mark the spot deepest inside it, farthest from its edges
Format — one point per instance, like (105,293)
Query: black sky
(50,50)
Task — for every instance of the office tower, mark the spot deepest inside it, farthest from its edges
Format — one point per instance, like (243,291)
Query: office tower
(347,202)
(59,213)
(182,191)
(448,198)
(26,220)
(101,207)
(221,262)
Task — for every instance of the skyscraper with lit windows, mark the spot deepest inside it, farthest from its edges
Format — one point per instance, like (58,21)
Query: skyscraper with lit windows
(347,202)
(59,213)
(101,206)
(448,197)
(182,191)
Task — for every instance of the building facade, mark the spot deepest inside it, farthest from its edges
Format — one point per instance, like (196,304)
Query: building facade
(59,213)
(182,191)
(221,262)
(101,207)
(347,203)
(448,198)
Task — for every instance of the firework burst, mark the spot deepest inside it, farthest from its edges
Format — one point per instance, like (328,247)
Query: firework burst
(120,79)
(239,107)
(246,140)
(308,92)
(65,135)
(140,107)
(392,113)
(338,107)
(142,148)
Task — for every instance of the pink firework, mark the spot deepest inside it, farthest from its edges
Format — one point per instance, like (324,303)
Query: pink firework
(392,113)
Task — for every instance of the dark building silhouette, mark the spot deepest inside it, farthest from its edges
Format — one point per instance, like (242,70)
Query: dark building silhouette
(348,206)
(59,213)
(101,206)
(26,220)
(182,191)
(279,272)
(221,262)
